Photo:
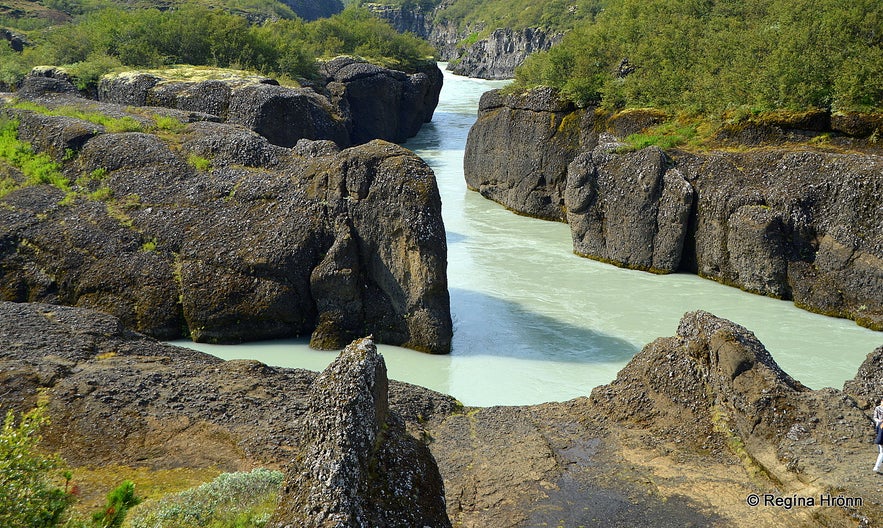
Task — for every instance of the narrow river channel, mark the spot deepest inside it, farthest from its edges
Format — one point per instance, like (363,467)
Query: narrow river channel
(534,323)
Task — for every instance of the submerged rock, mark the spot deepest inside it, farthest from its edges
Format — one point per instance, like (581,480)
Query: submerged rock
(355,465)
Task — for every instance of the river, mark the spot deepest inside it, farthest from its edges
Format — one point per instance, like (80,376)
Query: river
(535,323)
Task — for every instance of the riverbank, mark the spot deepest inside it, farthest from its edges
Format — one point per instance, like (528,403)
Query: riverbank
(693,428)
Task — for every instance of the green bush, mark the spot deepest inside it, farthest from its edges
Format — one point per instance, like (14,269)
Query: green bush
(712,57)
(104,40)
(27,496)
(240,500)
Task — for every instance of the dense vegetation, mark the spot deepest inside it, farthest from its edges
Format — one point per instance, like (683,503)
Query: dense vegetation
(102,40)
(707,56)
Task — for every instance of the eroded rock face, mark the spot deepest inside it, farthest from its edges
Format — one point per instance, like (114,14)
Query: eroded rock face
(531,178)
(629,209)
(792,223)
(497,56)
(712,369)
(356,465)
(259,242)
(383,104)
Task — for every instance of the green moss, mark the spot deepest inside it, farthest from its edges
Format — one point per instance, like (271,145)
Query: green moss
(111,124)
(199,163)
(665,136)
(37,168)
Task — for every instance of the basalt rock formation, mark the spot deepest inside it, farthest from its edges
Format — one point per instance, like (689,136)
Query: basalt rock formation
(690,429)
(382,103)
(356,102)
(497,55)
(494,56)
(355,464)
(211,232)
(531,178)
(793,222)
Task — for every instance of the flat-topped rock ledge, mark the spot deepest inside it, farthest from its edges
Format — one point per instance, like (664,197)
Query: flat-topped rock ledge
(354,102)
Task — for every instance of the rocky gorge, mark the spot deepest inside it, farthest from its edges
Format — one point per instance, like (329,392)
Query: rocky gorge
(185,220)
(771,210)
(473,50)
(692,428)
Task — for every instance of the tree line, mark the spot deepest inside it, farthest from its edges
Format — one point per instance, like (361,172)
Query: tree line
(106,39)
(718,56)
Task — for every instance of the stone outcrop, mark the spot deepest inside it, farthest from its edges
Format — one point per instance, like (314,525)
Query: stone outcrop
(218,235)
(692,426)
(383,103)
(356,102)
(118,397)
(629,209)
(531,178)
(497,55)
(790,222)
(355,465)
(492,57)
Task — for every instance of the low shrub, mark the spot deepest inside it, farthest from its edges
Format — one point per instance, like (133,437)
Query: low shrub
(240,500)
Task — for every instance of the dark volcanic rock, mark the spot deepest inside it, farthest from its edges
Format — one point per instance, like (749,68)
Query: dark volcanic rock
(802,225)
(384,104)
(118,397)
(792,223)
(676,386)
(629,209)
(260,242)
(356,466)
(691,426)
(356,103)
(286,115)
(529,179)
(43,80)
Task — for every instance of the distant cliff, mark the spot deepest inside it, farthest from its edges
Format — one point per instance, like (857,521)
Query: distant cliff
(494,56)
(788,220)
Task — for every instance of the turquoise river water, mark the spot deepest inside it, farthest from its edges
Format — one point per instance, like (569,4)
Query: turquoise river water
(535,323)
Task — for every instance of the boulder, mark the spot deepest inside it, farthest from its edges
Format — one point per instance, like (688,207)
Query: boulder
(227,238)
(355,465)
(46,80)
(286,115)
(711,370)
(383,103)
